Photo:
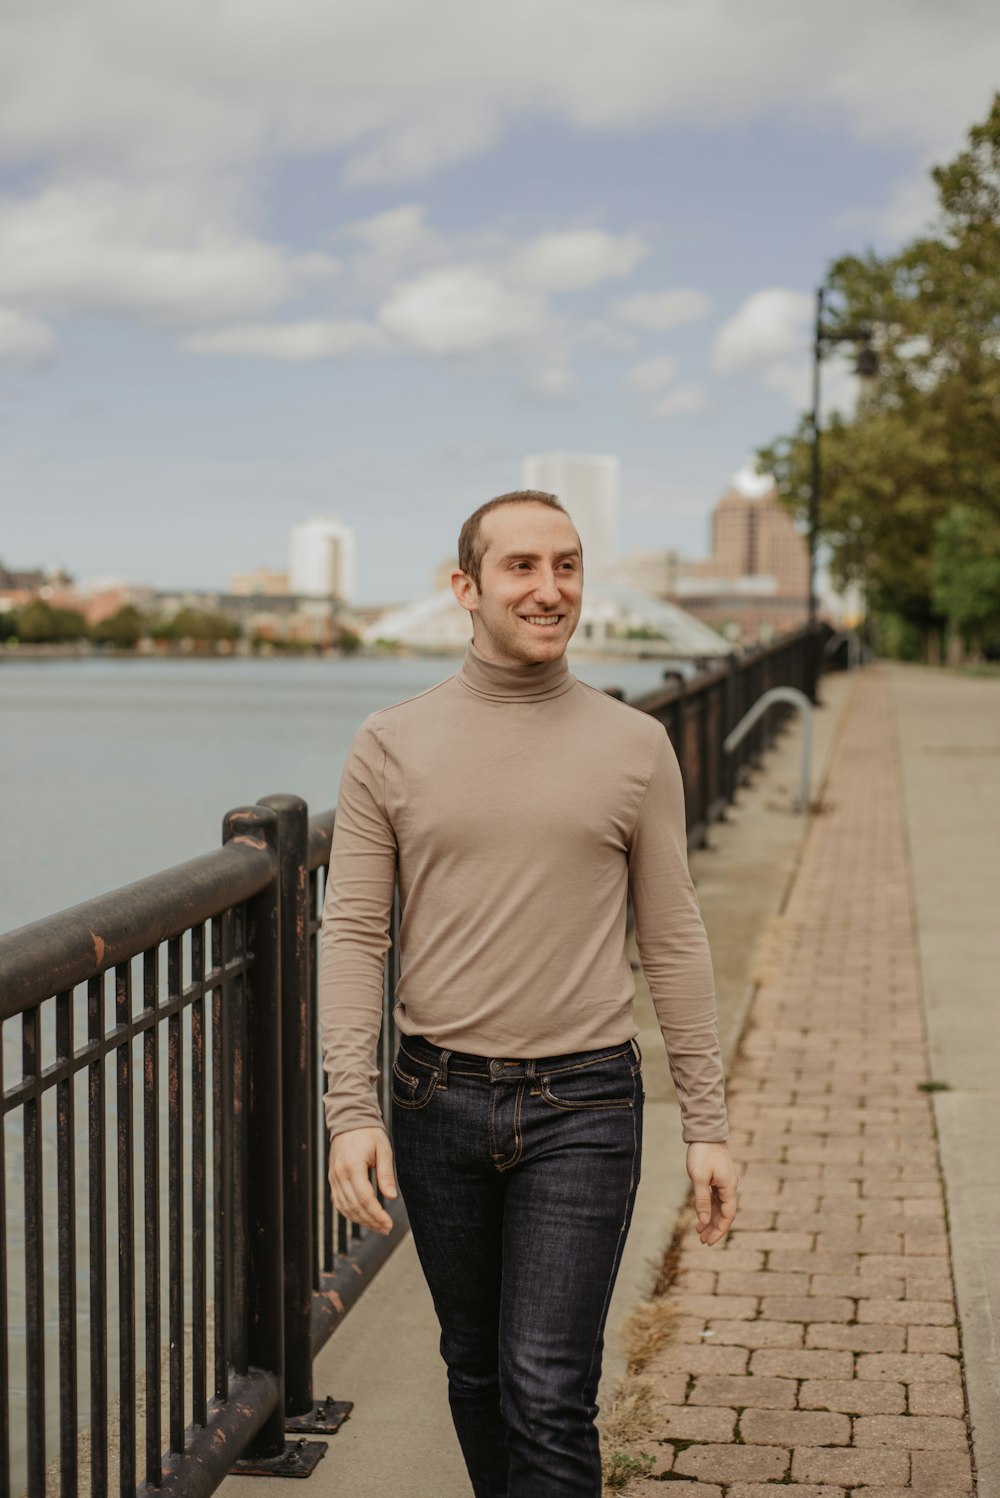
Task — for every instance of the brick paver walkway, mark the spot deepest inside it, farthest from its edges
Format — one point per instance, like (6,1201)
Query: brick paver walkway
(818,1347)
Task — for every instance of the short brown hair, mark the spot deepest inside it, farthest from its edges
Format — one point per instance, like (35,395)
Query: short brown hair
(471,546)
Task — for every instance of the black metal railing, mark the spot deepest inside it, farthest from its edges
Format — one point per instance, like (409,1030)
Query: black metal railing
(222,951)
(698,714)
(172,1026)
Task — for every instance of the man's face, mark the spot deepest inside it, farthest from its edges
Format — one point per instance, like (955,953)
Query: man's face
(527,604)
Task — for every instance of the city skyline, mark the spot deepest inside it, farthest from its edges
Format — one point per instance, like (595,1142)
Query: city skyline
(361,266)
(307,537)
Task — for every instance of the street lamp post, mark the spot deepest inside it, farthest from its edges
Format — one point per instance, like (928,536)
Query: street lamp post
(866,366)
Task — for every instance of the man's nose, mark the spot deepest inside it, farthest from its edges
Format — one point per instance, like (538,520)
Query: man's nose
(547,588)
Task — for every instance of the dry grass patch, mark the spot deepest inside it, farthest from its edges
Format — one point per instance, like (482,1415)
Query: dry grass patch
(649,1327)
(630,1414)
(628,1424)
(631,1417)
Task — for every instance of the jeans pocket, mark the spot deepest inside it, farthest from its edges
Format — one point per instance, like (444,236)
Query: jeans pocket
(609,1083)
(412,1088)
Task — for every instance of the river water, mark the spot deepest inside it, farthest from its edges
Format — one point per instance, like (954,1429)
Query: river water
(112,769)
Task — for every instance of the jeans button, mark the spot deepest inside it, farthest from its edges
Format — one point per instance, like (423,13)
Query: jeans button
(496,1067)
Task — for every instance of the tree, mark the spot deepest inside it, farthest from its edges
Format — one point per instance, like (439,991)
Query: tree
(39,623)
(965,575)
(196,624)
(124,629)
(926,439)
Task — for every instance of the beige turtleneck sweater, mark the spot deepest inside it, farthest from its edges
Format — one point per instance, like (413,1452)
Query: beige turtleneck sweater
(519,807)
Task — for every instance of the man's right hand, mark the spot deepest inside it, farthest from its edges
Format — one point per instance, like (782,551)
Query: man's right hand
(352,1156)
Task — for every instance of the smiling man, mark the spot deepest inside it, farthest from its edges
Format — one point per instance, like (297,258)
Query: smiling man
(518,808)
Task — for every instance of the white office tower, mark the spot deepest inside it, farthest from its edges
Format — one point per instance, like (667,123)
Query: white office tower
(587,485)
(322,559)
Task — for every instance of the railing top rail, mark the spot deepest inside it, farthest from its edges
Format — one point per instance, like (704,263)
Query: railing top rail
(89,938)
(656,701)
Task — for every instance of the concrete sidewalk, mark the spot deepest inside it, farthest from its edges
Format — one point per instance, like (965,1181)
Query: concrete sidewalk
(948,741)
(819,1348)
(399,1438)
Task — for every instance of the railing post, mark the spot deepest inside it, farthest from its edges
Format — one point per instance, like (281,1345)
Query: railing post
(298,1066)
(258,825)
(729,719)
(813,660)
(704,767)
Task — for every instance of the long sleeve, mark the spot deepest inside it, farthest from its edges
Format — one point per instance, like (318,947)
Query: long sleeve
(673,949)
(357,907)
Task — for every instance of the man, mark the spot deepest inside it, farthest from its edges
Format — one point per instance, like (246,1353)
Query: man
(519,807)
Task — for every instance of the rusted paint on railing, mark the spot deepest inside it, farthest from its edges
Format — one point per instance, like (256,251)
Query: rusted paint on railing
(339,1291)
(211,1450)
(58,952)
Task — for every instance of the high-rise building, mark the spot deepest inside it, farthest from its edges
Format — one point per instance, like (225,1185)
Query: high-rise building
(754,535)
(322,559)
(757,579)
(587,484)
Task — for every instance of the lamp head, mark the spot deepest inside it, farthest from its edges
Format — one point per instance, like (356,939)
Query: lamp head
(866,365)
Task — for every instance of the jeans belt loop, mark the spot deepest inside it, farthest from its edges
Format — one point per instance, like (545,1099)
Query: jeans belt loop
(529,1071)
(443,1060)
(635,1046)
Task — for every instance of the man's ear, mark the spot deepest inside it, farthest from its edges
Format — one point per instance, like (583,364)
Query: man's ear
(465,590)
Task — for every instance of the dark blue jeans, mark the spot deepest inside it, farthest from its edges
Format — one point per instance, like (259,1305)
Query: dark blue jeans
(519,1179)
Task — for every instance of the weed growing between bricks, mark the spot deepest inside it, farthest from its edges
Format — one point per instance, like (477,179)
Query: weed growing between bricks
(621,1467)
(631,1416)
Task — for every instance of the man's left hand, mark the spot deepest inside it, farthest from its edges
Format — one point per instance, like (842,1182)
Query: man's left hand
(713,1176)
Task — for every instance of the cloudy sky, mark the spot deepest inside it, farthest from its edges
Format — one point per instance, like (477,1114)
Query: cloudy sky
(265,259)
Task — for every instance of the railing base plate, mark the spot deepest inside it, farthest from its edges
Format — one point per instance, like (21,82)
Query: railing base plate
(324,1419)
(299,1459)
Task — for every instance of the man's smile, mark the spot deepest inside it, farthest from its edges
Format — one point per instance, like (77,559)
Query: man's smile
(544,619)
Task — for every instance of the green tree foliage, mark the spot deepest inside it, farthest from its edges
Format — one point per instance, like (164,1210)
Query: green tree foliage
(123,629)
(924,444)
(196,624)
(965,574)
(38,623)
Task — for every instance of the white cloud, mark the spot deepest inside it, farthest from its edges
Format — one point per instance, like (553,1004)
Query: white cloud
(406,90)
(792,378)
(770,325)
(660,310)
(750,483)
(399,236)
(576,258)
(771,337)
(911,208)
(442,132)
(24,341)
(553,384)
(297,342)
(690,399)
(652,374)
(458,310)
(153,252)
(314,265)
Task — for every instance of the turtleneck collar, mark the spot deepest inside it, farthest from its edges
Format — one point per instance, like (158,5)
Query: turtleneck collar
(529,683)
